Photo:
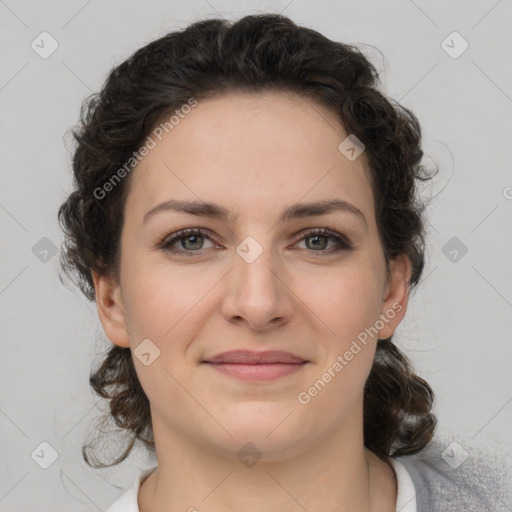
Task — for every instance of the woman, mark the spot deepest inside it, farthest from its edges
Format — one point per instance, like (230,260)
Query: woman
(245,217)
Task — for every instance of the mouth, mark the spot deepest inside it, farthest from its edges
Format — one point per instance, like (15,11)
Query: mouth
(256,366)
(251,357)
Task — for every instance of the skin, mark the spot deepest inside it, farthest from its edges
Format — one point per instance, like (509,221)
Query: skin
(255,153)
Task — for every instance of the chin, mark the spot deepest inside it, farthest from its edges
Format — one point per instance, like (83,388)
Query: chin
(275,435)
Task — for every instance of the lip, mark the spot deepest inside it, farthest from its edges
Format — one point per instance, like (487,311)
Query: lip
(252,366)
(252,357)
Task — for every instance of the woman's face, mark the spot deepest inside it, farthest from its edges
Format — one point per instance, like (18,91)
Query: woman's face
(253,280)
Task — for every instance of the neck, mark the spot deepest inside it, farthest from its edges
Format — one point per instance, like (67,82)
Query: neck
(336,475)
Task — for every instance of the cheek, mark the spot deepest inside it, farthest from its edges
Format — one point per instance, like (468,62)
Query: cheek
(346,299)
(150,292)
(348,303)
(348,306)
(161,304)
(165,302)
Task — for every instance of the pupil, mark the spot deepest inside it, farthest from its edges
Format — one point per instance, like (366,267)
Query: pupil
(192,237)
(316,237)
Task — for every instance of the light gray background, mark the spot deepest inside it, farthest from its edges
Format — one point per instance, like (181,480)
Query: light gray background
(457,330)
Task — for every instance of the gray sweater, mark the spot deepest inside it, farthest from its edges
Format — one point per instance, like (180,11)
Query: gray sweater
(460,474)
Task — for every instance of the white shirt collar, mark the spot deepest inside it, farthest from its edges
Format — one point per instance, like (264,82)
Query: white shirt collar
(406,496)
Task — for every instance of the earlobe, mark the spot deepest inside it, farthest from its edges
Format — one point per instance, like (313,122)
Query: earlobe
(111,310)
(395,303)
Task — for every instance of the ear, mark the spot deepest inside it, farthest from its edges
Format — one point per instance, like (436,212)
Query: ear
(396,295)
(110,309)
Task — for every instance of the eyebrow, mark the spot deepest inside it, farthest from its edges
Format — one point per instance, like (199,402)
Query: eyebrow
(295,211)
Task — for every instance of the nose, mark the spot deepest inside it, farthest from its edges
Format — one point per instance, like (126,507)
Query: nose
(256,290)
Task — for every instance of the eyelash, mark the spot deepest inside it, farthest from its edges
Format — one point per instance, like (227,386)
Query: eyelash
(167,242)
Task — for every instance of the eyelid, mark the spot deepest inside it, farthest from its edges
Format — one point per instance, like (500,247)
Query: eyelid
(324,231)
(344,243)
(174,237)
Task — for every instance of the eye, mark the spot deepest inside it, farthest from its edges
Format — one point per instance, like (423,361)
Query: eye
(192,241)
(320,238)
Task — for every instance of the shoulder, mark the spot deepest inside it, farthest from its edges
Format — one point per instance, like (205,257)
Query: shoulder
(456,472)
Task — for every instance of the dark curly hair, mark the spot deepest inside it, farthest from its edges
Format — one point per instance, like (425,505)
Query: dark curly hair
(214,57)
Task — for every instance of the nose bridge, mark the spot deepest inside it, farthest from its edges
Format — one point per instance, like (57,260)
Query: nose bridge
(257,293)
(256,264)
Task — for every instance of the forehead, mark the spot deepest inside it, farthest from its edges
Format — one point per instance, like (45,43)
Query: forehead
(252,150)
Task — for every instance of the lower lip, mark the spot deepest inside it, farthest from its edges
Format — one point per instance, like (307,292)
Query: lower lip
(258,372)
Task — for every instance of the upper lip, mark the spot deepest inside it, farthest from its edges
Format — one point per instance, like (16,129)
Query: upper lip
(251,357)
